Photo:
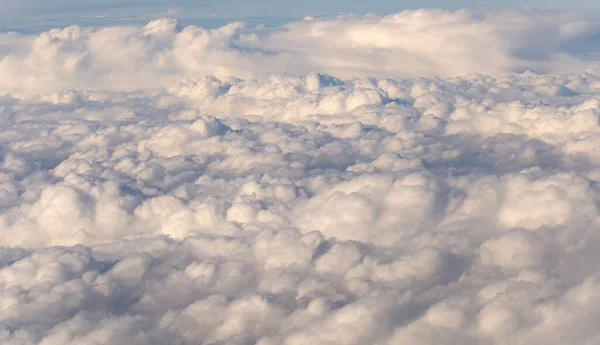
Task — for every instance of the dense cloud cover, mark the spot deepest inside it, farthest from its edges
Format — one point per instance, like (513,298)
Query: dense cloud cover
(421,43)
(145,202)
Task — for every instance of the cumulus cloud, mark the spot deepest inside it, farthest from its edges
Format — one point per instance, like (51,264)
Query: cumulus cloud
(289,197)
(413,43)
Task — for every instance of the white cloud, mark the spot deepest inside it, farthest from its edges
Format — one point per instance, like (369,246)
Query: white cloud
(143,202)
(407,44)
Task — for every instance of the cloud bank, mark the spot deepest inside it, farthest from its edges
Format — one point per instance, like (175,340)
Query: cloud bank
(418,43)
(143,201)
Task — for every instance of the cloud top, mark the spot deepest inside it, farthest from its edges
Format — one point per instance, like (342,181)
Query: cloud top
(407,44)
(168,185)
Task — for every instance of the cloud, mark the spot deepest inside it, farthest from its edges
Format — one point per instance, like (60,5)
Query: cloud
(291,205)
(407,44)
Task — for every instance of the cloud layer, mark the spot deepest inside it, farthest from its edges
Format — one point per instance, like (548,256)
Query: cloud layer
(419,43)
(143,202)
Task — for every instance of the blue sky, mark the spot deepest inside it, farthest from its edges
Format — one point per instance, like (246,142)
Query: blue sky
(274,7)
(41,14)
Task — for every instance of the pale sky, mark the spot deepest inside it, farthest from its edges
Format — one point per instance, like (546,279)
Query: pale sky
(288,8)
(41,14)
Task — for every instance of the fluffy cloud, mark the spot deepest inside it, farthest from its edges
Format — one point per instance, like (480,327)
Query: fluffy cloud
(143,202)
(417,43)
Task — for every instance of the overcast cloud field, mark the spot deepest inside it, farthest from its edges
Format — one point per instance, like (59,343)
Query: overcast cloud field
(426,177)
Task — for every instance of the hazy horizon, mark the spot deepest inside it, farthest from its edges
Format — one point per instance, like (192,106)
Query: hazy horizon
(38,15)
